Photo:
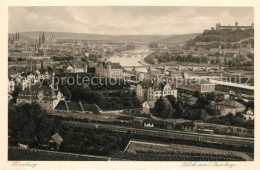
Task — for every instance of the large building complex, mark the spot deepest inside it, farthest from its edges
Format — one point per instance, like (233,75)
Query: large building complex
(221,27)
(152,91)
(108,69)
(190,86)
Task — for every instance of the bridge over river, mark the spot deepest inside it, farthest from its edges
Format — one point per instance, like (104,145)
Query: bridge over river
(178,68)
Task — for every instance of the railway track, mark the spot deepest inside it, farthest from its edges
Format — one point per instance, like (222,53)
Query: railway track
(209,138)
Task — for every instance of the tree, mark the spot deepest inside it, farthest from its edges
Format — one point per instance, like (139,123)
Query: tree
(203,115)
(65,91)
(167,112)
(196,94)
(159,106)
(15,93)
(29,124)
(202,101)
(153,45)
(218,60)
(180,111)
(164,109)
(172,100)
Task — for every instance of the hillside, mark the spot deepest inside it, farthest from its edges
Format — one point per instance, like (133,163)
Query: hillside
(67,35)
(23,38)
(180,39)
(224,35)
(137,39)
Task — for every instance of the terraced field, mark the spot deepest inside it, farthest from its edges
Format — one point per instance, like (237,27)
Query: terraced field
(149,151)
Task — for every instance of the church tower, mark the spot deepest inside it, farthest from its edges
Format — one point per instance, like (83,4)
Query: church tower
(109,70)
(40,40)
(43,38)
(86,67)
(217,26)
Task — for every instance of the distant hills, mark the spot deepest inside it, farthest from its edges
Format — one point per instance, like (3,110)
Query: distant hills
(137,39)
(180,39)
(66,35)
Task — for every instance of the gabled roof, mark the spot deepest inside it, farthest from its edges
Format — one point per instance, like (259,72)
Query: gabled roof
(74,106)
(34,90)
(91,107)
(61,106)
(77,106)
(150,103)
(57,138)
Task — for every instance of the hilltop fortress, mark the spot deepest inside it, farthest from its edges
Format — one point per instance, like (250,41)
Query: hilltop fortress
(220,27)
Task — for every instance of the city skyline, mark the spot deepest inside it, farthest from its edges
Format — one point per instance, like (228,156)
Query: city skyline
(133,20)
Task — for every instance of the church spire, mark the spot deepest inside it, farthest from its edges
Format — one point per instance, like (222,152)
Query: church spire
(40,39)
(43,38)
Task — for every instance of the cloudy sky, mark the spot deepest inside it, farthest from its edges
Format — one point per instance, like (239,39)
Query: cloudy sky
(125,20)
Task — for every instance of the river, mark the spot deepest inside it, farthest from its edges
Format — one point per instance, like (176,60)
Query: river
(131,61)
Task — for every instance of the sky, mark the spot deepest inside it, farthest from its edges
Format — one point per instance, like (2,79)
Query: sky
(135,20)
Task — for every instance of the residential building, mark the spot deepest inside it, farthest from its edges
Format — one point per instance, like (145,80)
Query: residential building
(160,89)
(55,142)
(80,67)
(44,75)
(141,90)
(46,96)
(147,106)
(153,90)
(77,67)
(11,86)
(70,69)
(189,126)
(249,114)
(151,123)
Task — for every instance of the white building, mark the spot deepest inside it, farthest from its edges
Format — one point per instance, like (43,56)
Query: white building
(160,89)
(77,67)
(46,96)
(147,106)
(152,91)
(11,86)
(249,114)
